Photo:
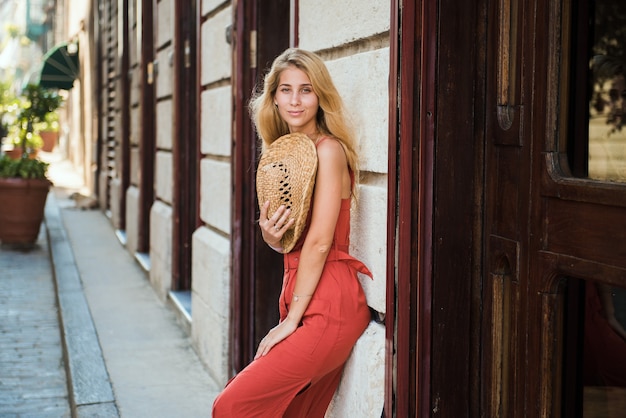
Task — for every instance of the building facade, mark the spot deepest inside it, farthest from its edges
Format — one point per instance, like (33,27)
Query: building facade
(480,213)
(162,136)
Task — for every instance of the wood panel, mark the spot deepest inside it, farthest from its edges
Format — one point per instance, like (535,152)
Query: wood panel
(457,214)
(186,146)
(257,270)
(585,230)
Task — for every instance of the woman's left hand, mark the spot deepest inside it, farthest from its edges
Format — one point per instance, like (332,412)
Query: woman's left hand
(274,227)
(276,335)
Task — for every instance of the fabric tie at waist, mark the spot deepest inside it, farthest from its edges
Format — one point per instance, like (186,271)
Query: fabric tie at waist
(292,259)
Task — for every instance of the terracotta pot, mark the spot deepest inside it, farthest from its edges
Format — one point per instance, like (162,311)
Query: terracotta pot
(22,204)
(16,153)
(49,140)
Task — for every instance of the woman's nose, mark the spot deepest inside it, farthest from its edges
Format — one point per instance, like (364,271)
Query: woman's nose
(295,98)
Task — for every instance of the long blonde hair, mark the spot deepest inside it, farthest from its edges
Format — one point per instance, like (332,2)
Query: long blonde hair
(331,117)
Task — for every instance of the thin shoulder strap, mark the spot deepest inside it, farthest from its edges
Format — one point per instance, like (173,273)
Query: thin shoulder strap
(322,139)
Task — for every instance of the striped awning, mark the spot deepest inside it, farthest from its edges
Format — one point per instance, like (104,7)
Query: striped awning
(60,67)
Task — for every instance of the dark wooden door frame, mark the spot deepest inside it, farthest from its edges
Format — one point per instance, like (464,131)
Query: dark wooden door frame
(409,250)
(185,202)
(98,29)
(435,191)
(243,234)
(257,270)
(124,109)
(272,38)
(147,121)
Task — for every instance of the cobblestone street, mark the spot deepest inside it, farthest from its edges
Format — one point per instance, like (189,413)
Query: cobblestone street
(32,374)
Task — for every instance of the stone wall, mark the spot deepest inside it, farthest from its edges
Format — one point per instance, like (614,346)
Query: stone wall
(357,56)
(211,252)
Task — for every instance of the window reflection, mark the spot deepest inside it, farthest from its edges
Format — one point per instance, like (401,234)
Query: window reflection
(607,134)
(604,351)
(607,107)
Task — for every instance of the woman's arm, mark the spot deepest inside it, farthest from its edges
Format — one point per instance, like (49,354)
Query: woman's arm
(330,183)
(329,189)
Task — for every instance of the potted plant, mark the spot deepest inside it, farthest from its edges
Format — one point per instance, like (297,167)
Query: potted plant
(24,186)
(29,146)
(48,131)
(38,110)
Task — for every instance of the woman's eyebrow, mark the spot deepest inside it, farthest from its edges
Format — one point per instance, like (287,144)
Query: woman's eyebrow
(300,85)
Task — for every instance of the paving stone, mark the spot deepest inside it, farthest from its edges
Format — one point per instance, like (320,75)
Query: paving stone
(32,372)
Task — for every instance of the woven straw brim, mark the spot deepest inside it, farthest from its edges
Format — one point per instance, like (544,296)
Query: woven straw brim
(286,176)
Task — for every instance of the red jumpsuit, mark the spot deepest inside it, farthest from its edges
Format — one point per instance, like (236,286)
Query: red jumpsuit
(299,375)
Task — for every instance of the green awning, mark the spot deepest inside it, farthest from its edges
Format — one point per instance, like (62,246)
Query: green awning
(60,67)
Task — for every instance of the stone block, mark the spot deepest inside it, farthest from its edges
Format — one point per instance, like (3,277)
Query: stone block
(210,5)
(135,86)
(132,219)
(362,81)
(369,230)
(165,26)
(135,129)
(209,335)
(215,201)
(211,270)
(164,124)
(135,164)
(164,74)
(164,176)
(161,248)
(323,24)
(361,392)
(216,52)
(115,195)
(210,301)
(216,121)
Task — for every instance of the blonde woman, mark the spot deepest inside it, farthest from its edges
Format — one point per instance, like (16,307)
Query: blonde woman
(322,306)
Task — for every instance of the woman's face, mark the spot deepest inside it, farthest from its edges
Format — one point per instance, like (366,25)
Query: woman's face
(296,101)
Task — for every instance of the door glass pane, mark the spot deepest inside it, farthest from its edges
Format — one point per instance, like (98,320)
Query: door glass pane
(607,104)
(604,367)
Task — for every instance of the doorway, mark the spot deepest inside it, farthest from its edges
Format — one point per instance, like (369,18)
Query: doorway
(261,34)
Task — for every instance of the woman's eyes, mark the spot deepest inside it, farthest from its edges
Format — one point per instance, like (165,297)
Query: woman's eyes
(302,90)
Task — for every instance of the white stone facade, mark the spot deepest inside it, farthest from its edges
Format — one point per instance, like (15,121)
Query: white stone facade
(353,38)
(210,301)
(211,270)
(361,75)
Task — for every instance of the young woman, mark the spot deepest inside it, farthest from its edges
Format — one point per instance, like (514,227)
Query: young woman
(323,311)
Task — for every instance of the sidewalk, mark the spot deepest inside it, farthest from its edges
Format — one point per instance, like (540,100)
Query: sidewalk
(125,352)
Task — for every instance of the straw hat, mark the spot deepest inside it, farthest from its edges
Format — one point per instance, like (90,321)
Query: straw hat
(286,176)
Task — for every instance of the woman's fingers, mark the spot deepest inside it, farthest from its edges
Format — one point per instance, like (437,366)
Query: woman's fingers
(264,209)
(284,220)
(264,347)
(274,336)
(278,221)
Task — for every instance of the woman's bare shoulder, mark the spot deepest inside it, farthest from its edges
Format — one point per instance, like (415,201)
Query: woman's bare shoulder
(330,148)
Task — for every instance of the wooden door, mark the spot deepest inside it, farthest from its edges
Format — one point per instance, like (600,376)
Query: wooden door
(186,145)
(506,277)
(146,13)
(262,32)
(555,222)
(108,147)
(435,208)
